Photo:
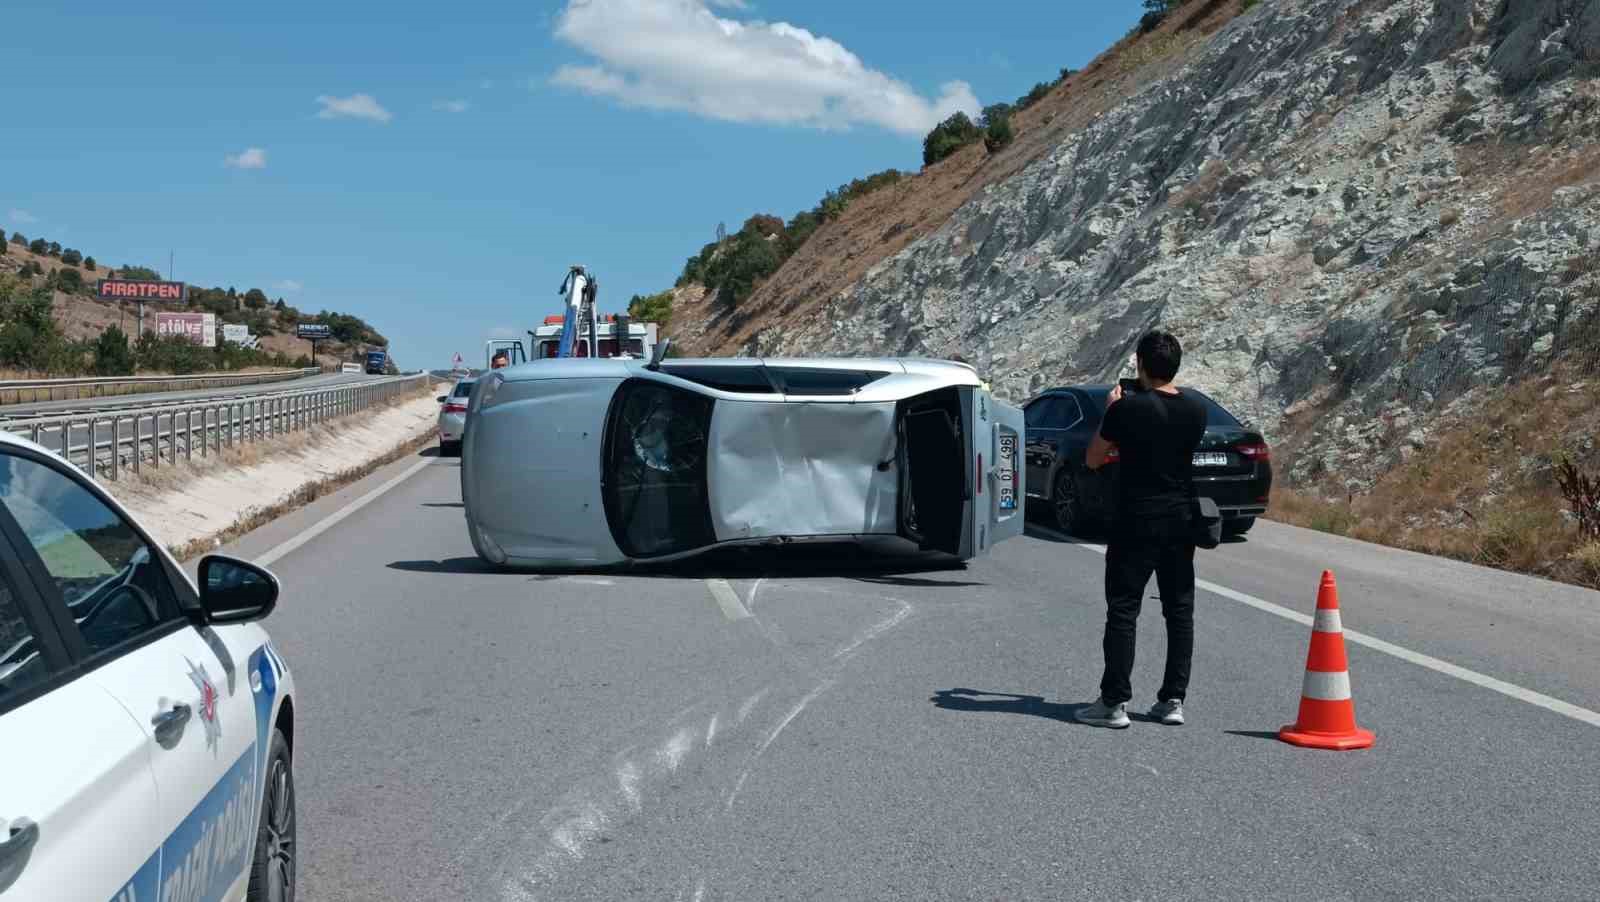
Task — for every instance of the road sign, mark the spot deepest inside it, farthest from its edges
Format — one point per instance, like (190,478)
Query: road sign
(140,290)
(313,331)
(238,333)
(200,328)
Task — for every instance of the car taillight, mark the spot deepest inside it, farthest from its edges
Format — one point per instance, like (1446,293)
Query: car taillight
(455,408)
(1113,455)
(1257,451)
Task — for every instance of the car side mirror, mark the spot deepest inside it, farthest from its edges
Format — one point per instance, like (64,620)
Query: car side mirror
(659,353)
(235,591)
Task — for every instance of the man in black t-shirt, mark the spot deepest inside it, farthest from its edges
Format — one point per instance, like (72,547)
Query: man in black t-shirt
(1155,431)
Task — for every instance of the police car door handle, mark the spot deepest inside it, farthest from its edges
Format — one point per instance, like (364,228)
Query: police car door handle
(15,849)
(169,724)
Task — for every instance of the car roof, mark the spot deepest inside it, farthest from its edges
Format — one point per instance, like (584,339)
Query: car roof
(577,367)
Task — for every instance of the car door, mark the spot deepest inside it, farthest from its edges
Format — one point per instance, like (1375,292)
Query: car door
(960,469)
(79,811)
(127,617)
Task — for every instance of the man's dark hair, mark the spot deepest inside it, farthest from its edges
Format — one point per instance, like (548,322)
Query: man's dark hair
(1160,354)
(501,355)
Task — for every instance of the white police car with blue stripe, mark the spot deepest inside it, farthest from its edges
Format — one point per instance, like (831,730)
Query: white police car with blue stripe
(146,724)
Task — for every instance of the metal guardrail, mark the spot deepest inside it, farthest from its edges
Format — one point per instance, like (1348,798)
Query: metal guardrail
(27,391)
(105,445)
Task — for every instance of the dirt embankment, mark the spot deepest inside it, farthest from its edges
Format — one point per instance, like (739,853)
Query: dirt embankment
(883,223)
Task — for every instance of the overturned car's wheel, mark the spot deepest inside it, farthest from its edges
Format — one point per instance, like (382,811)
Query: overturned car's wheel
(1066,505)
(272,870)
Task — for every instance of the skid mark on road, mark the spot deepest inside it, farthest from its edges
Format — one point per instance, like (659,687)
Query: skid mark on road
(874,631)
(1511,690)
(772,737)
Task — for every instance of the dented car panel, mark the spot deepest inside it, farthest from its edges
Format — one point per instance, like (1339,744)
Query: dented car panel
(600,462)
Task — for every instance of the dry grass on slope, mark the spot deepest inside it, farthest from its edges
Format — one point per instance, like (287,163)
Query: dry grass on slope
(1484,489)
(881,224)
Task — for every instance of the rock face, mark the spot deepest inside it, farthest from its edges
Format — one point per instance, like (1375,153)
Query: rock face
(1358,215)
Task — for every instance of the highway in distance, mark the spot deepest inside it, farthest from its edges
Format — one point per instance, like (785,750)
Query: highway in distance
(764,726)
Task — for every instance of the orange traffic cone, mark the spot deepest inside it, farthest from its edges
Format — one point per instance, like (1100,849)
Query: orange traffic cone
(1327,711)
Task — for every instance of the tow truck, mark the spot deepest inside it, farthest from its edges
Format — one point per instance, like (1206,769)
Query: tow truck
(577,331)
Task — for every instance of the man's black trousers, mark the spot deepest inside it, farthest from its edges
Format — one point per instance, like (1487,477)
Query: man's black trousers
(1130,561)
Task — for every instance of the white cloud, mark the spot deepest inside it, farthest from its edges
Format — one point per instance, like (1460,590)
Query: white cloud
(451,106)
(679,55)
(22,217)
(251,158)
(289,286)
(356,106)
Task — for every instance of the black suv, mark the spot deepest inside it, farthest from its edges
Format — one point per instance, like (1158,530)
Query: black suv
(1232,466)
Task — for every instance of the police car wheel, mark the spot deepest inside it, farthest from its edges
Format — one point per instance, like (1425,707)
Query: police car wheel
(272,871)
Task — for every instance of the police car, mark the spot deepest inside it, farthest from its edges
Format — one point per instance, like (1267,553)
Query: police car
(146,725)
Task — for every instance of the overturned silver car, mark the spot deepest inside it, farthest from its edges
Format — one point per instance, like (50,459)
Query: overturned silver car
(581,462)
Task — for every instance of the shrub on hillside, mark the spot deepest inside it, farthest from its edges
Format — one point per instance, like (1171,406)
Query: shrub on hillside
(140,272)
(29,337)
(171,354)
(1034,95)
(112,355)
(19,238)
(993,112)
(89,264)
(39,246)
(71,257)
(255,299)
(68,280)
(651,308)
(998,134)
(55,248)
(948,137)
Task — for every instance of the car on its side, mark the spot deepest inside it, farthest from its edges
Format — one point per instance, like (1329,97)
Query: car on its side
(586,462)
(453,416)
(1232,466)
(146,722)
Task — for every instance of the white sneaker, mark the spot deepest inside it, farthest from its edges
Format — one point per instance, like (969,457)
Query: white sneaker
(1169,712)
(1100,714)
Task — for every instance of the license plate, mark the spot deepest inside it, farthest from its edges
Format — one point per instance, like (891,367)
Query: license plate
(1210,459)
(1006,472)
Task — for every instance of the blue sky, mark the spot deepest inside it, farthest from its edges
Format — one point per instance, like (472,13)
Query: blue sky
(435,168)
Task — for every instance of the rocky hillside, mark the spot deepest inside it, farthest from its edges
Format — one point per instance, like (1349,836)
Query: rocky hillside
(1371,221)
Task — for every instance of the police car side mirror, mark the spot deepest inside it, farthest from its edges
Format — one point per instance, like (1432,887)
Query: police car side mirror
(235,591)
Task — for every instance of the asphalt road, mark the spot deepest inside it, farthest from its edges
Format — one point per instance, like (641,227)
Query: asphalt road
(50,408)
(872,734)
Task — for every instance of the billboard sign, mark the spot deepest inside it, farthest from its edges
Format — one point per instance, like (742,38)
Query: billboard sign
(200,328)
(238,333)
(313,331)
(140,290)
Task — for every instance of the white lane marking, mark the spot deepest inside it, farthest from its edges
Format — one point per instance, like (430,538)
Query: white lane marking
(875,630)
(332,520)
(727,599)
(711,731)
(773,736)
(1510,690)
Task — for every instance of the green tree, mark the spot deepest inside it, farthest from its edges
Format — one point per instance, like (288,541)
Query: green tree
(143,273)
(997,134)
(19,238)
(89,264)
(948,137)
(1036,94)
(994,111)
(112,355)
(255,299)
(55,248)
(68,280)
(29,337)
(39,246)
(71,257)
(651,308)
